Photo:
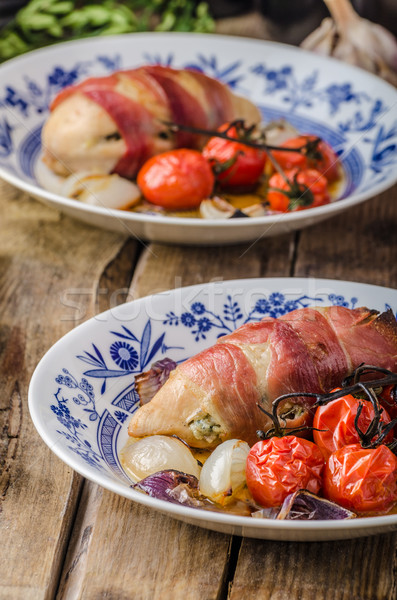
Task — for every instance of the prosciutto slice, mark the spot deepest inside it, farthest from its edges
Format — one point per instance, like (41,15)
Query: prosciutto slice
(114,123)
(213,396)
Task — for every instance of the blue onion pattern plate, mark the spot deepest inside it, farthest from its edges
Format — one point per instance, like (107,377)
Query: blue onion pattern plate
(351,109)
(82,395)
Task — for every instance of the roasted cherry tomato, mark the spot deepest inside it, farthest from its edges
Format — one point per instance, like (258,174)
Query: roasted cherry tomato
(362,480)
(176,180)
(282,465)
(335,422)
(234,163)
(319,156)
(283,196)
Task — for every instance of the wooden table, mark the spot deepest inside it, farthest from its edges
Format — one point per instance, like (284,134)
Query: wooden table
(64,537)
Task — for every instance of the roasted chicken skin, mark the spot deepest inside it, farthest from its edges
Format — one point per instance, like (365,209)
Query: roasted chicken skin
(213,396)
(115,123)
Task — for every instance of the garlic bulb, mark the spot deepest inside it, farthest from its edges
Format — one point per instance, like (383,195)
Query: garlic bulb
(223,473)
(157,453)
(109,191)
(353,39)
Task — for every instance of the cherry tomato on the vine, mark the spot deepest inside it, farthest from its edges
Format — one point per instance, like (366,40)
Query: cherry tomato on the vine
(320,156)
(334,423)
(235,164)
(176,180)
(284,196)
(362,480)
(282,465)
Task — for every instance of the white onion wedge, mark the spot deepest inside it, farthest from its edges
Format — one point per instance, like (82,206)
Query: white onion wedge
(223,473)
(157,453)
(109,191)
(48,179)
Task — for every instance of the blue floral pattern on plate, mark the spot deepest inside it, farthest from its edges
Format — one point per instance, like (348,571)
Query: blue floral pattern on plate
(82,393)
(130,353)
(351,109)
(286,92)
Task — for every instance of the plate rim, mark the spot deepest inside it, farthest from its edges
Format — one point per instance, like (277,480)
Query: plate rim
(210,36)
(248,525)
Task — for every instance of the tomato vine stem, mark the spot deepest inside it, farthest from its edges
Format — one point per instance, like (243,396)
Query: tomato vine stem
(245,137)
(376,431)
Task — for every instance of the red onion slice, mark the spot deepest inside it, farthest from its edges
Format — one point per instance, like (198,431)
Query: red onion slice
(175,487)
(305,506)
(147,384)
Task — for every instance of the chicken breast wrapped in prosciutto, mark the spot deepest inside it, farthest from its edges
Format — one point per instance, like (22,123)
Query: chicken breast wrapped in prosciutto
(214,395)
(115,123)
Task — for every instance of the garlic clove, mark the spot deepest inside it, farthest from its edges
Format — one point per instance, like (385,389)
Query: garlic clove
(216,208)
(321,40)
(109,191)
(155,453)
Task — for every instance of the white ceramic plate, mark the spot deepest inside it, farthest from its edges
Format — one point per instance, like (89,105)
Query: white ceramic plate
(82,393)
(351,109)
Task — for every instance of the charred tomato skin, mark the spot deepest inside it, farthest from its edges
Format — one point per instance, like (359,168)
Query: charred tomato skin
(361,480)
(176,180)
(280,466)
(334,423)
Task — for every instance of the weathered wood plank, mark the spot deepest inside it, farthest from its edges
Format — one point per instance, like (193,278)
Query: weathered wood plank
(49,271)
(362,569)
(359,245)
(151,556)
(136,553)
(169,267)
(119,549)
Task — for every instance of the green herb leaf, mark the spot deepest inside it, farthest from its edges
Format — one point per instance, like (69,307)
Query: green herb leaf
(44,22)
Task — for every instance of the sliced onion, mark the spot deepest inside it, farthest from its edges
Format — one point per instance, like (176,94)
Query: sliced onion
(48,179)
(304,505)
(157,453)
(110,191)
(223,473)
(147,384)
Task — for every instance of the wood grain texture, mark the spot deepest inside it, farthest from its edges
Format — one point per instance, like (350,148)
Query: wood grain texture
(358,245)
(169,267)
(49,271)
(137,553)
(154,556)
(70,539)
(361,569)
